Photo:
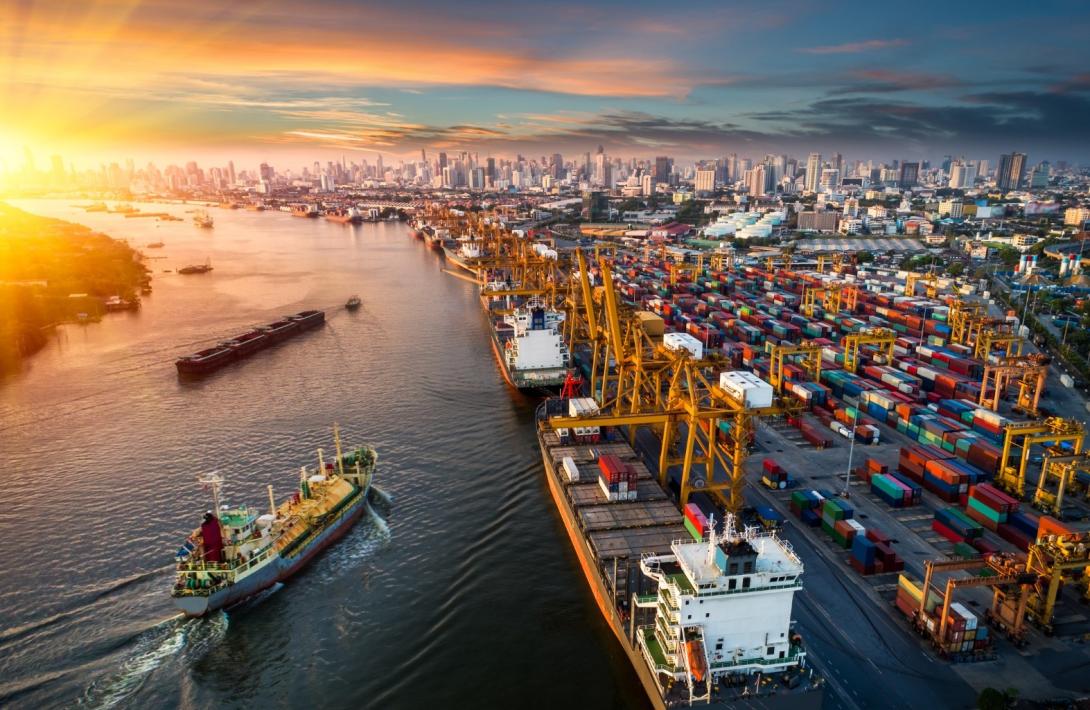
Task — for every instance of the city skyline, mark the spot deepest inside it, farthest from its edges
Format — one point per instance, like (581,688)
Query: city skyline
(158,81)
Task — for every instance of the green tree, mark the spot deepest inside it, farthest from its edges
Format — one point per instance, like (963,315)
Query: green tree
(955,268)
(864,257)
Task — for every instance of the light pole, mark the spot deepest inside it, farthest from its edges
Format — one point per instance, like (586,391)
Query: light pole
(851,450)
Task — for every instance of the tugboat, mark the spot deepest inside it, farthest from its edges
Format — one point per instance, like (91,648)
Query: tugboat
(203,220)
(156,245)
(353,303)
(237,552)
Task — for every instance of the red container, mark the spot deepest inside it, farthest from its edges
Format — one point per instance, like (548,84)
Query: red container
(877,536)
(1050,526)
(946,532)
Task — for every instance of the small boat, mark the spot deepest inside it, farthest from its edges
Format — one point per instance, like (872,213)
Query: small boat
(117,303)
(156,245)
(348,215)
(203,220)
(353,303)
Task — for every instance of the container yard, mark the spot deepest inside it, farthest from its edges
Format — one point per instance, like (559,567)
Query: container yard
(912,442)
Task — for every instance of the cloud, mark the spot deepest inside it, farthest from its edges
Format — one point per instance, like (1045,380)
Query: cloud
(883,81)
(856,47)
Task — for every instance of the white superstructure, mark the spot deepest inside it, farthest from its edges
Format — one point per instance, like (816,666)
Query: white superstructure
(537,350)
(723,607)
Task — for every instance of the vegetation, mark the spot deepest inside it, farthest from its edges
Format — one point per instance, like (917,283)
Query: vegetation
(51,272)
(955,268)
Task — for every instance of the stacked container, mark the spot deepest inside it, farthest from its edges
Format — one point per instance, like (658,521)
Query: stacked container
(956,526)
(774,476)
(695,522)
(806,505)
(616,478)
(989,506)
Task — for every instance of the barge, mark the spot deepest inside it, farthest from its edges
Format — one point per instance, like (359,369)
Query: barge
(244,345)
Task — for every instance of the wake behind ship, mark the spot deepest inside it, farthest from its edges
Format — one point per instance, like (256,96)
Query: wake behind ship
(703,615)
(237,552)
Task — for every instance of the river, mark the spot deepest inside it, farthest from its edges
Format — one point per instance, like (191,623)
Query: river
(460,591)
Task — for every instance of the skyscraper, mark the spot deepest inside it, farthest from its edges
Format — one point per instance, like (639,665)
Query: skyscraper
(910,174)
(662,169)
(813,172)
(705,180)
(1011,171)
(962,174)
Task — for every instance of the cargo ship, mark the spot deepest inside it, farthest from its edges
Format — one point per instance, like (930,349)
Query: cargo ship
(463,252)
(203,220)
(417,227)
(304,210)
(703,613)
(529,346)
(248,343)
(437,239)
(237,552)
(196,268)
(349,215)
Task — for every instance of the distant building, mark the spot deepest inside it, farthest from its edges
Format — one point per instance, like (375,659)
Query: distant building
(595,206)
(819,221)
(813,172)
(953,209)
(1077,216)
(705,181)
(962,174)
(1011,171)
(910,174)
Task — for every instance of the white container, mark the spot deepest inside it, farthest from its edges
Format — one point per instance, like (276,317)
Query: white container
(684,341)
(568,464)
(1067,381)
(747,388)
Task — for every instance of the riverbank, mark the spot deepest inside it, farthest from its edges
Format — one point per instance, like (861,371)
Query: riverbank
(54,272)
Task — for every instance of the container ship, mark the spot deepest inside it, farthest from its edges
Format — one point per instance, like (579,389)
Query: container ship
(348,215)
(464,252)
(248,343)
(703,614)
(304,210)
(437,238)
(529,346)
(237,552)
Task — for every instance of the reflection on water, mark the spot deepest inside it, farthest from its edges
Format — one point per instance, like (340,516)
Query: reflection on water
(466,593)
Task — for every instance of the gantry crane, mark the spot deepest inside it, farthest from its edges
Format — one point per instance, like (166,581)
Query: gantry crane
(988,340)
(722,260)
(930,279)
(834,297)
(1004,570)
(1024,435)
(639,383)
(809,355)
(1052,558)
(1064,469)
(881,337)
(1028,372)
(693,270)
(959,316)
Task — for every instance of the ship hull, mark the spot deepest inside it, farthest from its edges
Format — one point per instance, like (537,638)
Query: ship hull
(274,333)
(453,257)
(808,700)
(278,569)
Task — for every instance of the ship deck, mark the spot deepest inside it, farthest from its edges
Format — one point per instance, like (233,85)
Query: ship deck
(617,529)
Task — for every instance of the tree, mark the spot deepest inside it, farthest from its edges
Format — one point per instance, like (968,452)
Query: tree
(864,257)
(955,268)
(1009,255)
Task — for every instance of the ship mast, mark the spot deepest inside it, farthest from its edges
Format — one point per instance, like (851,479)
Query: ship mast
(215,482)
(337,444)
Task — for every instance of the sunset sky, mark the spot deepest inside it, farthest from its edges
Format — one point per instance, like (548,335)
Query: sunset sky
(269,79)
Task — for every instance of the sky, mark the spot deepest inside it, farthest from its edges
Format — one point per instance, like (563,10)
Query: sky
(284,80)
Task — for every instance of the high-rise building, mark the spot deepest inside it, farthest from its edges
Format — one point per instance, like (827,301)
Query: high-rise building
(662,169)
(705,180)
(813,172)
(757,181)
(1040,175)
(962,174)
(910,174)
(830,178)
(1011,171)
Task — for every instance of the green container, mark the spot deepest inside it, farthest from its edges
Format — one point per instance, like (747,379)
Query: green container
(994,515)
(965,551)
(692,530)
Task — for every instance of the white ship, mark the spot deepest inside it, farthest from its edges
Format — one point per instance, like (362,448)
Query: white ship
(530,347)
(722,613)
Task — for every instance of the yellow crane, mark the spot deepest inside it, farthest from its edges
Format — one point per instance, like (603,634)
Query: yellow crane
(883,338)
(988,340)
(1024,435)
(639,383)
(1004,570)
(1054,558)
(960,315)
(722,260)
(1027,372)
(1063,468)
(834,297)
(930,280)
(809,358)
